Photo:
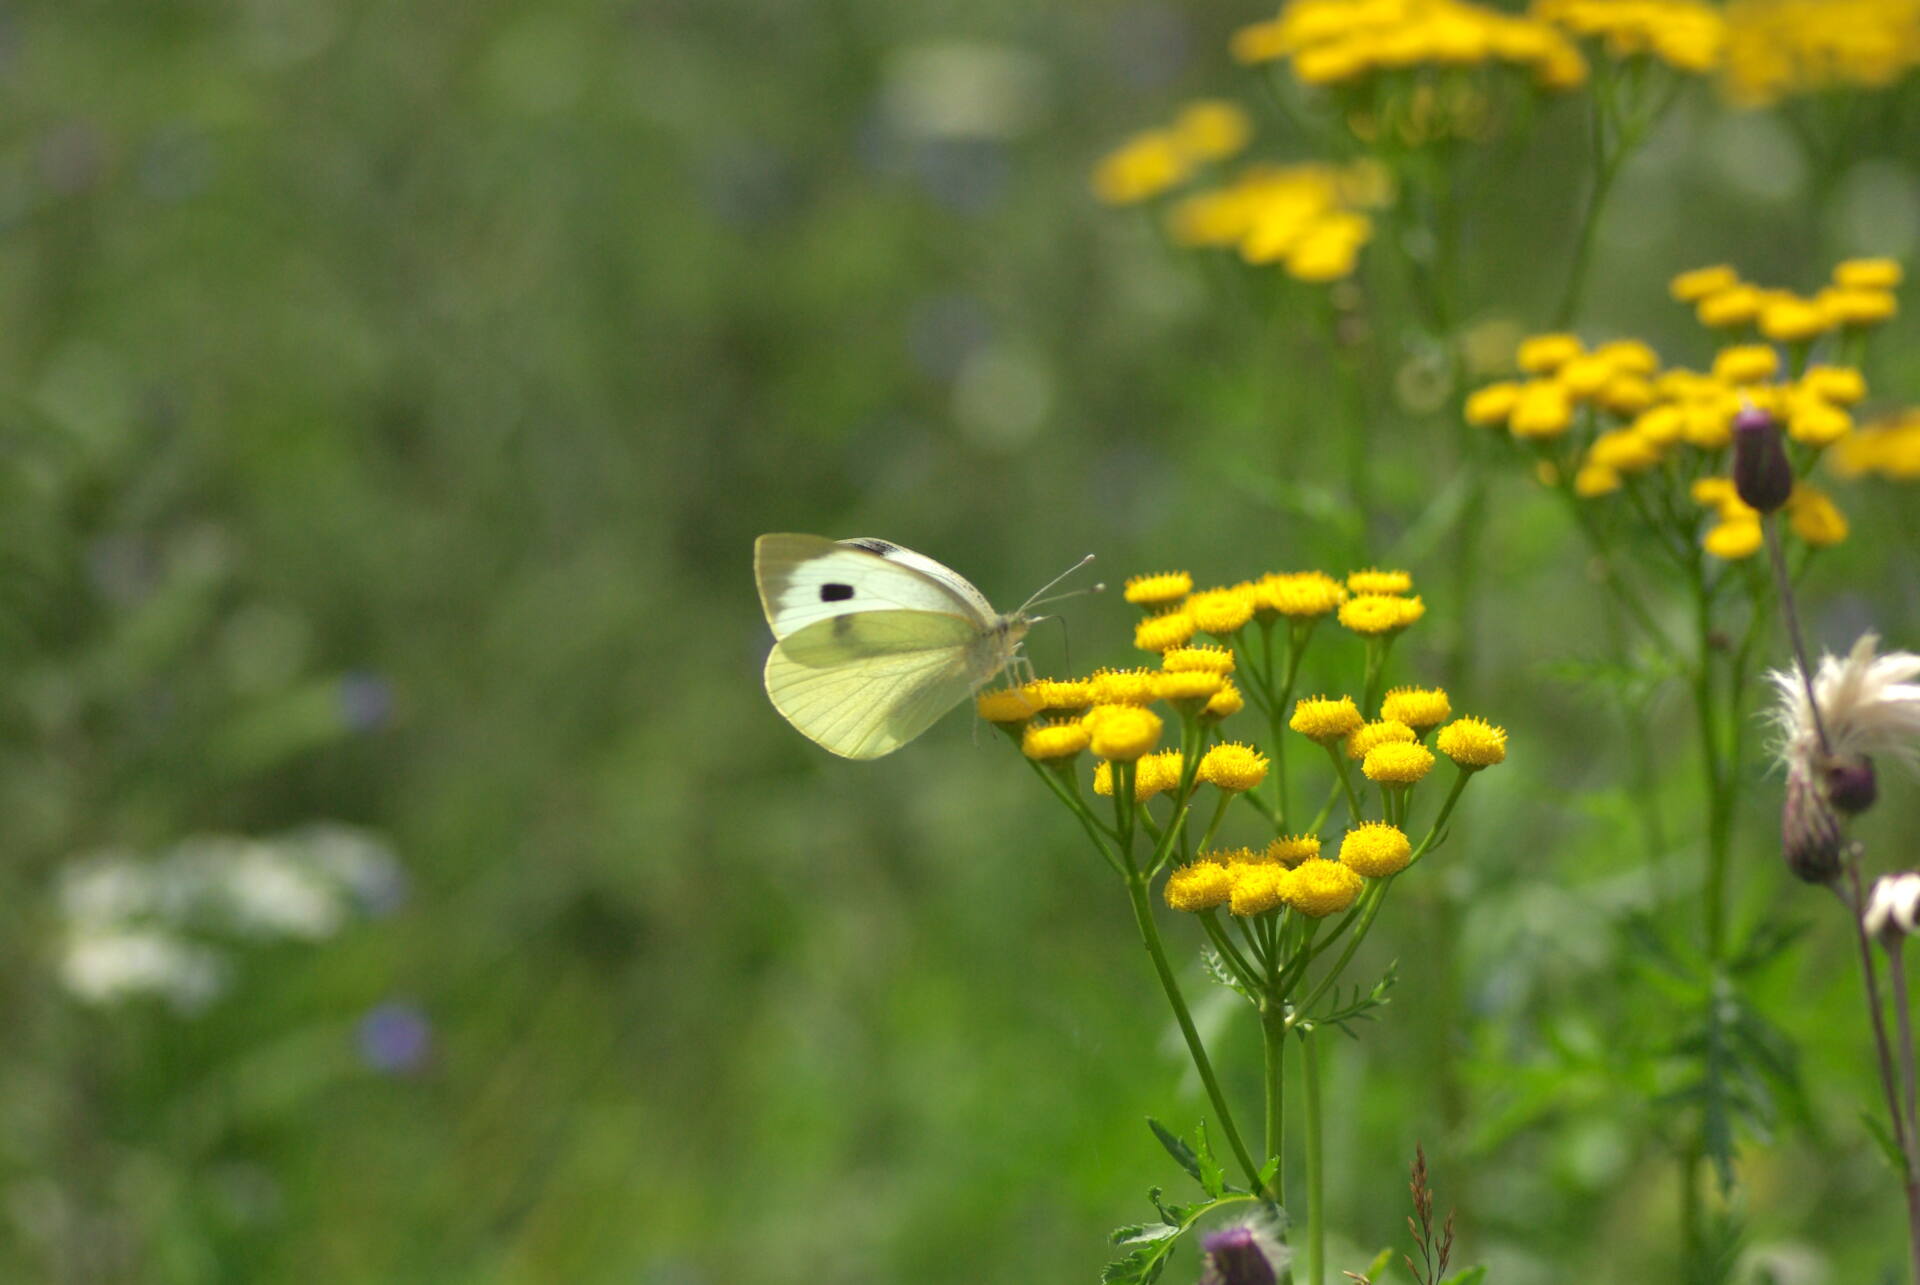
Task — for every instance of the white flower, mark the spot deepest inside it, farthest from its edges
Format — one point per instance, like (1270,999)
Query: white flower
(102,967)
(1893,907)
(1869,705)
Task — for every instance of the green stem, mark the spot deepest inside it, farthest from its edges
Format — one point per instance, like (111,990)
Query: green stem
(1316,1169)
(1273,1028)
(1150,937)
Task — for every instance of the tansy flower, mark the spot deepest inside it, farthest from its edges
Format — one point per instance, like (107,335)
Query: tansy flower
(1728,308)
(1542,409)
(1189,685)
(1693,286)
(1859,308)
(1841,385)
(1222,611)
(1163,632)
(1154,774)
(1734,538)
(1325,719)
(1584,376)
(1320,888)
(1544,354)
(1374,614)
(1007,705)
(1300,595)
(1374,580)
(1420,708)
(1208,659)
(1158,590)
(1746,364)
(1629,356)
(1049,742)
(1227,701)
(1396,763)
(1491,405)
(1124,687)
(1814,517)
(1595,479)
(1625,394)
(1211,129)
(1473,743)
(1060,693)
(1793,320)
(1291,850)
(1200,886)
(1257,887)
(1123,732)
(1376,850)
(1867,274)
(1233,767)
(1143,167)
(1381,732)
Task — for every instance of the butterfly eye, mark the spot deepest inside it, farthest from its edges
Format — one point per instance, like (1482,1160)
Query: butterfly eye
(835,592)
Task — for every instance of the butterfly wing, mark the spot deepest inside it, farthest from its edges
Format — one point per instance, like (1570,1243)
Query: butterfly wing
(864,684)
(804,579)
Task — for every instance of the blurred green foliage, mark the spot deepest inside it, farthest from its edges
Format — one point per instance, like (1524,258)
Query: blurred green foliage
(391,394)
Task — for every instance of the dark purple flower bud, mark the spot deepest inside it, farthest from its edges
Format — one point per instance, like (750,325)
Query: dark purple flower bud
(1761,473)
(1850,784)
(1236,1256)
(1810,830)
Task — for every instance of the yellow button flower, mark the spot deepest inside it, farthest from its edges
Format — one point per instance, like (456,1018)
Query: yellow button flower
(1630,357)
(1320,888)
(1859,308)
(1202,885)
(1374,580)
(1593,480)
(1163,632)
(1816,422)
(1227,701)
(1212,129)
(1544,354)
(1624,451)
(1257,887)
(1161,589)
(1693,286)
(1814,517)
(1050,742)
(1152,775)
(1584,377)
(1204,658)
(1378,613)
(1733,539)
(1383,731)
(1375,849)
(1728,308)
(1490,406)
(1397,764)
(1232,767)
(1290,850)
(1221,612)
(1145,166)
(1124,687)
(1841,385)
(1626,393)
(1543,409)
(1661,425)
(1060,693)
(1123,732)
(1300,595)
(1473,743)
(1867,274)
(1197,685)
(1007,705)
(1419,708)
(1746,364)
(1793,320)
(1326,719)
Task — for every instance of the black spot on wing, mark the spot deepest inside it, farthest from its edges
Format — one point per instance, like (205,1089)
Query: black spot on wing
(835,592)
(872,545)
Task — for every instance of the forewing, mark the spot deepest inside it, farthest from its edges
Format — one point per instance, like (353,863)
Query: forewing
(864,685)
(805,579)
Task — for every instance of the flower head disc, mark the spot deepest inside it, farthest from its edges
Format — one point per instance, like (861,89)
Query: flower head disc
(1397,763)
(1473,743)
(1320,888)
(1420,708)
(1382,731)
(1290,850)
(1233,767)
(1375,849)
(1161,589)
(1122,732)
(1007,705)
(1326,719)
(1051,742)
(1200,886)
(1377,613)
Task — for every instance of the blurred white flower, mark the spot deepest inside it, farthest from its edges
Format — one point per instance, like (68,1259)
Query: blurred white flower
(270,894)
(1893,907)
(102,966)
(1869,704)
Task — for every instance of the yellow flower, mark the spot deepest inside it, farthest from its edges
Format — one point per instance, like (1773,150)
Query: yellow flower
(1859,308)
(1661,425)
(1867,274)
(1816,422)
(1163,632)
(1584,377)
(1420,708)
(1594,480)
(1626,394)
(1124,687)
(1793,320)
(1329,249)
(1203,885)
(1290,850)
(1222,611)
(1384,731)
(1123,732)
(1397,764)
(1746,364)
(1233,767)
(1325,719)
(1202,659)
(1373,580)
(1543,409)
(1841,385)
(1158,590)
(1718,494)
(1735,306)
(1624,451)
(1257,887)
(1227,701)
(1375,849)
(1007,705)
(1152,775)
(1299,595)
(1630,357)
(1733,539)
(1814,517)
(1212,129)
(1544,354)
(1320,888)
(1473,743)
(1491,405)
(1693,286)
(1377,613)
(1060,693)
(1050,741)
(1145,166)
(1198,685)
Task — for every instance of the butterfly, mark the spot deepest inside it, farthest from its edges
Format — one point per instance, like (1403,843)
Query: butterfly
(873,642)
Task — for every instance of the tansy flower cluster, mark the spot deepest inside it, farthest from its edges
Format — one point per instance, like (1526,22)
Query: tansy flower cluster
(1782,48)
(1156,161)
(1310,219)
(1888,447)
(1686,35)
(1610,421)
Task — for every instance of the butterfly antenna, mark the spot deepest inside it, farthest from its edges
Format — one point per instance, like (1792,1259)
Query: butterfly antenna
(1038,598)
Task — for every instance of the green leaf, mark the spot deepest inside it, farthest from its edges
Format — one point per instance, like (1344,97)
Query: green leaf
(1182,1153)
(1768,942)
(1381,1262)
(1889,1150)
(1472,1276)
(1213,1179)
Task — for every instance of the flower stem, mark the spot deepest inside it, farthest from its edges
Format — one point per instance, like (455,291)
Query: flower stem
(1854,902)
(1316,1169)
(1150,937)
(1273,1029)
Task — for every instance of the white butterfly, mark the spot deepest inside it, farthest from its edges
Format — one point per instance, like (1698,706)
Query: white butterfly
(874,642)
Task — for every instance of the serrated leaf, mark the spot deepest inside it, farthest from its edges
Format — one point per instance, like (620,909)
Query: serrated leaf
(1213,1179)
(1182,1153)
(1148,1234)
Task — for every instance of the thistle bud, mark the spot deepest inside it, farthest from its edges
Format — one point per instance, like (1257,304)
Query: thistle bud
(1241,1256)
(1761,473)
(1810,829)
(1893,908)
(1850,784)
